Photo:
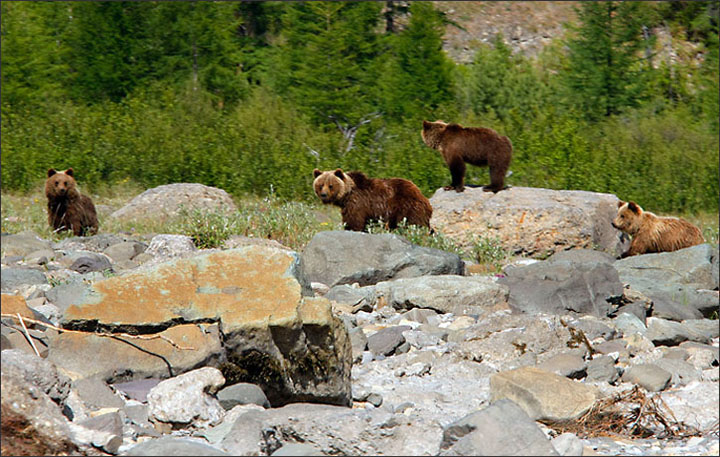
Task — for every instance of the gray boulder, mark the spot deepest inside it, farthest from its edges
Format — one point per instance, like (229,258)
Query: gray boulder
(671,333)
(502,428)
(38,372)
(346,257)
(22,244)
(242,393)
(679,282)
(562,287)
(444,293)
(173,445)
(167,200)
(602,369)
(13,278)
(648,376)
(89,264)
(690,266)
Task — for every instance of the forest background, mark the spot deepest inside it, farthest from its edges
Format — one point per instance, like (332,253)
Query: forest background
(250,97)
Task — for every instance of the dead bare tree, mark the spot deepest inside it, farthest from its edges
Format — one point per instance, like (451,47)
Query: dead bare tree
(349,130)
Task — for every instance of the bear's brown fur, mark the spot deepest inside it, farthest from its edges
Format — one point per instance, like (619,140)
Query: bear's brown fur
(651,233)
(474,145)
(68,209)
(364,199)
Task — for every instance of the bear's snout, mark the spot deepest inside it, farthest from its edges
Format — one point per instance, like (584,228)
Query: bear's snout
(615,226)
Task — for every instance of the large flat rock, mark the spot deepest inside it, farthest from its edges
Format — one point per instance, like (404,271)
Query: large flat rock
(273,334)
(530,221)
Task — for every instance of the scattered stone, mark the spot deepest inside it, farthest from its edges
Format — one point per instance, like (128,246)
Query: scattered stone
(629,323)
(690,266)
(89,264)
(568,365)
(170,246)
(359,343)
(602,369)
(543,395)
(242,393)
(184,399)
(109,423)
(648,376)
(96,394)
(124,251)
(385,341)
(137,390)
(375,399)
(568,444)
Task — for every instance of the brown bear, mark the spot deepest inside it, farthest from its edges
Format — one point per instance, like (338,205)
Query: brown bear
(651,233)
(68,209)
(364,199)
(474,145)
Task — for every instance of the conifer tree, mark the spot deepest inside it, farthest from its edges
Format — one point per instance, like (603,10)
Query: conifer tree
(607,70)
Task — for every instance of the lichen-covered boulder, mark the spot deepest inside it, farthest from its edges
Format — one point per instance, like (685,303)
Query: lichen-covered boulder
(256,300)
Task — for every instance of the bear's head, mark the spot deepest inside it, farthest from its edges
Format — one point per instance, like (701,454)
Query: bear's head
(628,217)
(331,186)
(432,132)
(60,184)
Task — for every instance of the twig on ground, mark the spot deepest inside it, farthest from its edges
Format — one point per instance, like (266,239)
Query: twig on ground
(102,334)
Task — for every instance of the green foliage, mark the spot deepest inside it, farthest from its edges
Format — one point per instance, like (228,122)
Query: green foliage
(500,84)
(415,75)
(488,251)
(606,72)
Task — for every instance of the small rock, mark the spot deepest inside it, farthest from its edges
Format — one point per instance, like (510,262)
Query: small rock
(242,393)
(89,264)
(602,369)
(184,399)
(629,324)
(648,376)
(566,364)
(568,444)
(173,445)
(298,449)
(385,341)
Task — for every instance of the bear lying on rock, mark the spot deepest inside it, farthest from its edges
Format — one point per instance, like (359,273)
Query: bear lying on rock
(364,199)
(651,233)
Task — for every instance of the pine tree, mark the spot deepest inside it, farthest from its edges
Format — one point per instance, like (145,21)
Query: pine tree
(34,51)
(416,74)
(607,71)
(325,63)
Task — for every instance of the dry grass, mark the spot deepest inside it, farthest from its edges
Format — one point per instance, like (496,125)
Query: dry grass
(630,414)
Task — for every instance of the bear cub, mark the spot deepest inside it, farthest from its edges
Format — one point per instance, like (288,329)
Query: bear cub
(68,209)
(651,233)
(363,199)
(474,145)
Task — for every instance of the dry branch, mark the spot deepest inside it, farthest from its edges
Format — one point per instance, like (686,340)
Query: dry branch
(101,334)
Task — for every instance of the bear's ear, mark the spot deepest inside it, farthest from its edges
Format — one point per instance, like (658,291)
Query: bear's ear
(620,203)
(339,173)
(316,172)
(70,172)
(634,207)
(51,172)
(426,125)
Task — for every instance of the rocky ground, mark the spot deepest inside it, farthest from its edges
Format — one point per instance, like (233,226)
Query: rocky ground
(363,344)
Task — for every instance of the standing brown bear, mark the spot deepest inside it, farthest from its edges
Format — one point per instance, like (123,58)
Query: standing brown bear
(474,145)
(68,209)
(364,199)
(651,233)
